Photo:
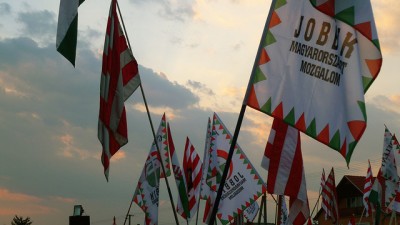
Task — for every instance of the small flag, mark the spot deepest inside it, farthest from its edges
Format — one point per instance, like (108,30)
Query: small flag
(330,196)
(367,190)
(192,167)
(146,195)
(284,162)
(376,195)
(283,217)
(250,212)
(182,206)
(119,79)
(243,184)
(205,189)
(67,29)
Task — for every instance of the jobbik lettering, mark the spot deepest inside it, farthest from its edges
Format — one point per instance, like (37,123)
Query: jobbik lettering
(331,65)
(233,186)
(154,195)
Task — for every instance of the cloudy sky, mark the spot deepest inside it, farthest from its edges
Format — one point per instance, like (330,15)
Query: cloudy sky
(195,58)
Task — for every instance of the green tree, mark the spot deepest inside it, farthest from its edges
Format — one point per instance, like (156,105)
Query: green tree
(21,221)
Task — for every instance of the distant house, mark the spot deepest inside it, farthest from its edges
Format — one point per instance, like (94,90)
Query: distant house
(350,194)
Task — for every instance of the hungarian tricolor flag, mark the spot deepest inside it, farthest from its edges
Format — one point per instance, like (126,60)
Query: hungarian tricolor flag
(119,79)
(182,206)
(67,29)
(316,60)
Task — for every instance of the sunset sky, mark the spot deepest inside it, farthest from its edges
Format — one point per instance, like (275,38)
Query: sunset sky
(195,58)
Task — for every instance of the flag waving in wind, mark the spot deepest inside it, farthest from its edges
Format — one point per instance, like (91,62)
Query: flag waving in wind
(244,185)
(119,79)
(329,195)
(182,206)
(146,195)
(192,168)
(67,29)
(284,162)
(367,190)
(314,77)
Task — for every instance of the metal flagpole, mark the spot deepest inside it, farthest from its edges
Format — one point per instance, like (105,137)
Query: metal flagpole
(152,129)
(239,122)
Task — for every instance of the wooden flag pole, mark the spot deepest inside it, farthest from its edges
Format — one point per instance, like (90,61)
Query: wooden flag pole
(239,122)
(152,129)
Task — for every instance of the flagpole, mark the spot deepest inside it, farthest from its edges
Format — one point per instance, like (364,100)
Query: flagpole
(202,172)
(152,129)
(239,122)
(362,214)
(319,196)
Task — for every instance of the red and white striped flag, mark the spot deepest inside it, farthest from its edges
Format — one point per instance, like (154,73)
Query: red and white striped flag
(284,162)
(367,190)
(330,196)
(192,168)
(323,178)
(119,79)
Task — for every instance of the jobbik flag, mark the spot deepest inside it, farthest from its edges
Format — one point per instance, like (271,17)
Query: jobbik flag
(284,161)
(182,206)
(146,195)
(119,79)
(389,169)
(316,61)
(243,184)
(205,189)
(251,211)
(162,141)
(67,29)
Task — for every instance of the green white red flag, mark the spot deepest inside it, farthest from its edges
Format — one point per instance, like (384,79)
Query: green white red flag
(243,184)
(182,206)
(67,29)
(376,195)
(316,60)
